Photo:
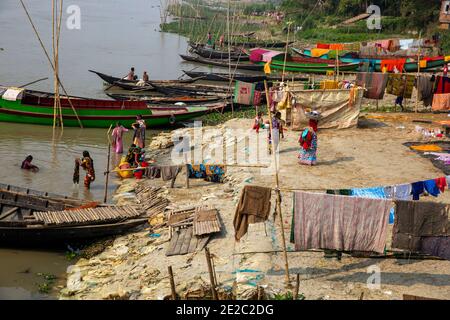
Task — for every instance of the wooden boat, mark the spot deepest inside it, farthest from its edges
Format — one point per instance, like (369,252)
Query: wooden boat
(210,53)
(132,84)
(209,76)
(311,65)
(164,100)
(260,44)
(224,64)
(36,107)
(194,90)
(19,225)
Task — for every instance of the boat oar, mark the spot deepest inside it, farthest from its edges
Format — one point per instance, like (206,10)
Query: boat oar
(33,82)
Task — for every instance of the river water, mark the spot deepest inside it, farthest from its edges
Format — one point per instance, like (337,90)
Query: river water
(113,36)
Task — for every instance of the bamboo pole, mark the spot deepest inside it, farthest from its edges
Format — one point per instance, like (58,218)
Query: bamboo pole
(58,34)
(229,53)
(297,286)
(105,198)
(55,80)
(211,274)
(418,74)
(286,52)
(50,61)
(278,200)
(172,283)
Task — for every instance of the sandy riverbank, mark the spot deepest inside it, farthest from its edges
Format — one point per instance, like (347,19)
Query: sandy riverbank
(135,266)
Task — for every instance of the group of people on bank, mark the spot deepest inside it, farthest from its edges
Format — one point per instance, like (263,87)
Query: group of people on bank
(134,157)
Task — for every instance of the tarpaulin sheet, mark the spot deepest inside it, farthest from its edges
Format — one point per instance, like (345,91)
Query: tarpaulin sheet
(339,108)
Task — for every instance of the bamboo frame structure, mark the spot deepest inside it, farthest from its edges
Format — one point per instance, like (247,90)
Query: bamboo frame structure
(278,200)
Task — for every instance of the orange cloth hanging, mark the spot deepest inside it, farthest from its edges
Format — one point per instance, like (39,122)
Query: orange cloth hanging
(336,46)
(391,64)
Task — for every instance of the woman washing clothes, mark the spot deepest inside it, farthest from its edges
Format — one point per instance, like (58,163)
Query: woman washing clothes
(26,164)
(117,135)
(308,140)
(88,165)
(139,132)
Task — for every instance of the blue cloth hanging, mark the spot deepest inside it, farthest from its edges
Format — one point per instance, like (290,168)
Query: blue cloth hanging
(417,189)
(431,187)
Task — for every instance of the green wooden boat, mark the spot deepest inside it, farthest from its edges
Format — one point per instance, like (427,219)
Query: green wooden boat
(311,67)
(35,107)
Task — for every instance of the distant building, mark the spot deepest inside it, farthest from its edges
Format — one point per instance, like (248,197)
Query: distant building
(444,17)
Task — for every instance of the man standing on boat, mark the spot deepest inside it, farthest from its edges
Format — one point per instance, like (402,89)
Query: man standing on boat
(145,76)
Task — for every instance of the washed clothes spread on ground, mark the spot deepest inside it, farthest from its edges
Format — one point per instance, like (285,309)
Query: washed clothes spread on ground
(323,221)
(416,219)
(253,207)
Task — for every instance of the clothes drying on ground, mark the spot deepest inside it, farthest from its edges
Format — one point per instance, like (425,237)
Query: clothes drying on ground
(374,83)
(323,221)
(426,147)
(253,207)
(416,219)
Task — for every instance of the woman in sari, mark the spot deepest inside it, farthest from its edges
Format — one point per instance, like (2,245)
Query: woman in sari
(139,132)
(88,165)
(117,135)
(308,142)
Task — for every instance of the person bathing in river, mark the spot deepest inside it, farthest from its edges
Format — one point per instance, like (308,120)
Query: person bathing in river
(88,165)
(139,132)
(117,135)
(26,164)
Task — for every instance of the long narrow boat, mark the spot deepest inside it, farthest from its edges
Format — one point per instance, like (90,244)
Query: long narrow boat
(209,76)
(210,53)
(27,106)
(224,64)
(131,84)
(260,44)
(20,227)
(163,100)
(194,90)
(310,65)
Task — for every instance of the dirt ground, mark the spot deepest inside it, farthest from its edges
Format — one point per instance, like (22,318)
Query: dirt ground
(135,266)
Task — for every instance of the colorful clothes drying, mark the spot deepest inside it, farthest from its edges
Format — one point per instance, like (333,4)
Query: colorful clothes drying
(427,147)
(441,102)
(391,65)
(323,221)
(441,183)
(425,86)
(316,52)
(442,84)
(197,171)
(244,93)
(431,187)
(417,188)
(418,219)
(374,193)
(399,192)
(374,83)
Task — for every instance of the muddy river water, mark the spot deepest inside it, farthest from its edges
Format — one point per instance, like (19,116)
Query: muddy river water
(113,35)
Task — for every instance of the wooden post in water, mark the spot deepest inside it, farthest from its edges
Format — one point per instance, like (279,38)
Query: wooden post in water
(172,283)
(211,274)
(278,199)
(105,198)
